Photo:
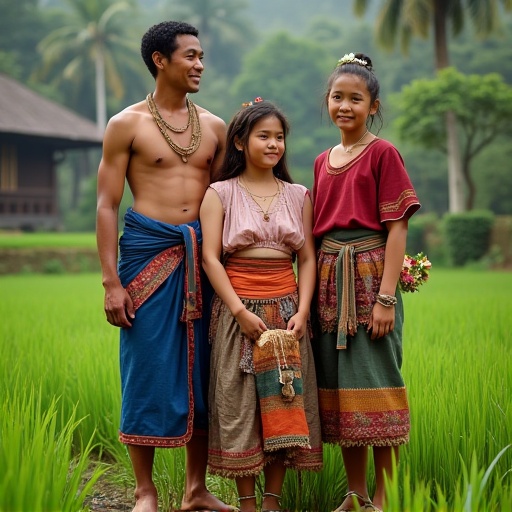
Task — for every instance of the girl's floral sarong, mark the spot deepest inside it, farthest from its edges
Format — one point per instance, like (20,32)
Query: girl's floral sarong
(362,396)
(236,446)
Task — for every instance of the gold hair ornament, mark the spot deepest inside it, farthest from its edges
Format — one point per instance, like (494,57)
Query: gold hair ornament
(258,99)
(350,58)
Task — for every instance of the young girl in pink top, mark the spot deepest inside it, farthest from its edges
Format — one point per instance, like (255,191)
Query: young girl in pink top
(254,223)
(362,200)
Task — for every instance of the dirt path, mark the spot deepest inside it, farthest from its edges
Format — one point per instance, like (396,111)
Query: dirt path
(107,496)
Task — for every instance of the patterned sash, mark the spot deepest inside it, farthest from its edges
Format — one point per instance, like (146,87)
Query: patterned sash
(345,278)
(162,266)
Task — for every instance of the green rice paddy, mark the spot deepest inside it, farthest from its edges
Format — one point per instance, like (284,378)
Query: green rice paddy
(60,398)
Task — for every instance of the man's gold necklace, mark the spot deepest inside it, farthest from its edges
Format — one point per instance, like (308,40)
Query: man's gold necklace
(266,215)
(193,119)
(350,148)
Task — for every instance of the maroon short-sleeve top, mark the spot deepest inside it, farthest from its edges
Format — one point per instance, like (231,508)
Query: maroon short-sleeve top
(365,193)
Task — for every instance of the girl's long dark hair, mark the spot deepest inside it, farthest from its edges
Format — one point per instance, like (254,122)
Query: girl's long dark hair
(239,130)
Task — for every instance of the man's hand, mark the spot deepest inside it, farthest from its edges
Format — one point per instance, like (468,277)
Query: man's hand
(118,307)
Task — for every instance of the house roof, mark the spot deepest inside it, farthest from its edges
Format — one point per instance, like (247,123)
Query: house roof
(25,112)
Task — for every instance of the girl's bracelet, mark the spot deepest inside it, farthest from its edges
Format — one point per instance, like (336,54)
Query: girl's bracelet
(386,300)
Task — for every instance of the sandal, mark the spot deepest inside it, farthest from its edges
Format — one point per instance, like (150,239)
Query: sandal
(363,503)
(273,496)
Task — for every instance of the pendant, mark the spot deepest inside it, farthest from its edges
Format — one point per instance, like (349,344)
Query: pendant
(287,380)
(266,217)
(184,158)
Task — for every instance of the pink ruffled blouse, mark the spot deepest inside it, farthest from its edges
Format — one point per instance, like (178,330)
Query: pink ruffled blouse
(244,226)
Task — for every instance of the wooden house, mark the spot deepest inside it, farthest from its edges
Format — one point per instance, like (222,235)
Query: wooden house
(34,133)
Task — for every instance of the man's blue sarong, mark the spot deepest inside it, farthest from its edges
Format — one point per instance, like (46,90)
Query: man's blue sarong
(164,356)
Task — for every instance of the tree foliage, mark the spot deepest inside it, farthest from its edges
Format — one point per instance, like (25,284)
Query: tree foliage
(225,33)
(407,18)
(290,72)
(290,66)
(20,30)
(403,19)
(481,104)
(87,49)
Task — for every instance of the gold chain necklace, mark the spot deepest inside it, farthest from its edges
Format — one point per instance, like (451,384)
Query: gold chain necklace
(350,148)
(195,139)
(266,215)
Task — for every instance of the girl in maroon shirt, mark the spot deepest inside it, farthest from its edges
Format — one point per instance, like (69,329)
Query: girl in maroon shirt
(362,200)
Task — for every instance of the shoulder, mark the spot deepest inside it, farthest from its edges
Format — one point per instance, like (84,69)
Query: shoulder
(320,160)
(295,192)
(221,186)
(130,113)
(323,155)
(128,120)
(384,146)
(124,127)
(211,119)
(295,188)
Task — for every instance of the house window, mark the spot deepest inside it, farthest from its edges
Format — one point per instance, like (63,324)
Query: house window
(8,167)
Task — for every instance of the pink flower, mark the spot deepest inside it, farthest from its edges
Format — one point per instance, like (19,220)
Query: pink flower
(415,272)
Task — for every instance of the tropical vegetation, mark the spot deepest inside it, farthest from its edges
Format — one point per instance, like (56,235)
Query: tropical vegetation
(284,56)
(404,19)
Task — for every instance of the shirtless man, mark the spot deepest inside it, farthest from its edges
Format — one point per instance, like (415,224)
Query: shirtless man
(165,147)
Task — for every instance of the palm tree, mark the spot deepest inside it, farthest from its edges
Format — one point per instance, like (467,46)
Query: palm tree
(93,35)
(406,18)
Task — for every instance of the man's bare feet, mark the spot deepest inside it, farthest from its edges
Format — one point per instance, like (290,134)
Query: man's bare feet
(146,502)
(205,501)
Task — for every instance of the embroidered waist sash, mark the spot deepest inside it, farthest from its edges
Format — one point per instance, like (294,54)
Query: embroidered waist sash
(150,252)
(336,242)
(257,278)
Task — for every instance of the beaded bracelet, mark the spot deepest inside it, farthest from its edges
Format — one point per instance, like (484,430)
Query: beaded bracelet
(386,300)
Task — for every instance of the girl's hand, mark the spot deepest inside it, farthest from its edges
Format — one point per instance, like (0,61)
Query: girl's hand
(298,324)
(382,321)
(251,325)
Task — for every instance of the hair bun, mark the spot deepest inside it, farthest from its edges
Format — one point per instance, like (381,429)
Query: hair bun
(359,59)
(362,56)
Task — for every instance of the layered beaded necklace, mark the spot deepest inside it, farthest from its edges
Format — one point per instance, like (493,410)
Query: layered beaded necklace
(193,119)
(265,213)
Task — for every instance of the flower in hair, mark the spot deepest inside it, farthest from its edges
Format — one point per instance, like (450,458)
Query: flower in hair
(258,99)
(350,58)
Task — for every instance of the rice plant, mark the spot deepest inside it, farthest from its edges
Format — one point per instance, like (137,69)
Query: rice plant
(39,470)
(457,367)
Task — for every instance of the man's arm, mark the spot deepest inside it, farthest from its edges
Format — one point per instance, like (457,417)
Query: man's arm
(219,127)
(111,178)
